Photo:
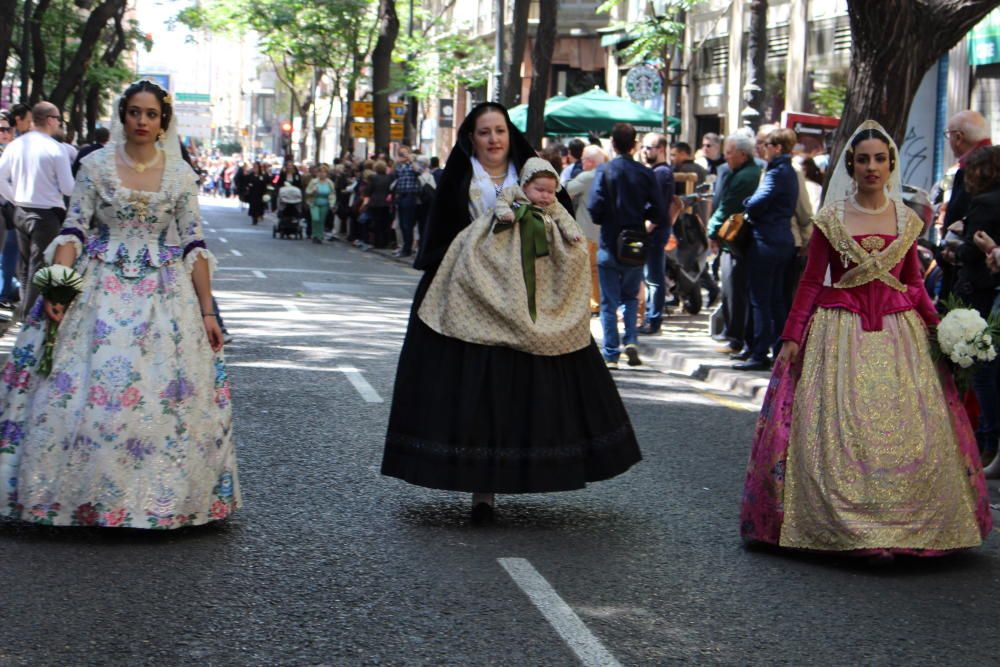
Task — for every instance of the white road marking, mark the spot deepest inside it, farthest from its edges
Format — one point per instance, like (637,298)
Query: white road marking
(564,620)
(258,273)
(361,384)
(222,239)
(292,308)
(236,252)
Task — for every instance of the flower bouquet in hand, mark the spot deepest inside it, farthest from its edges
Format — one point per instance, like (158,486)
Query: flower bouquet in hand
(58,284)
(965,339)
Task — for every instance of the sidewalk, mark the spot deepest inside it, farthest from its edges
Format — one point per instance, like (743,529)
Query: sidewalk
(684,346)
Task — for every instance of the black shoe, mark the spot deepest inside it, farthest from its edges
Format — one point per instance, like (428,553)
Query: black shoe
(740,356)
(649,329)
(632,353)
(751,365)
(482,514)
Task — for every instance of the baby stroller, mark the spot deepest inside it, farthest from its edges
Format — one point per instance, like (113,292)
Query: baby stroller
(289,213)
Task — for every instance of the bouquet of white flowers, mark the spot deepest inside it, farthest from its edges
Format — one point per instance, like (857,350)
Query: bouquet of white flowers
(57,284)
(964,338)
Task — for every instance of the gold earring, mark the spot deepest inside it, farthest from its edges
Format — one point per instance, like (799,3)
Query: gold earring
(160,135)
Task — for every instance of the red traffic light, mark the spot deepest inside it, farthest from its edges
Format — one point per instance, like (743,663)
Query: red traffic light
(286,127)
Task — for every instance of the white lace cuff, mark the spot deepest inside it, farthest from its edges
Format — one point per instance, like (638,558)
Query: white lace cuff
(62,239)
(197,252)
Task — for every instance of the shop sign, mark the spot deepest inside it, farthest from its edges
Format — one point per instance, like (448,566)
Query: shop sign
(984,41)
(643,83)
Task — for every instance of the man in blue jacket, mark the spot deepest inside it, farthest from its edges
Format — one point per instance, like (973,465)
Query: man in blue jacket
(624,195)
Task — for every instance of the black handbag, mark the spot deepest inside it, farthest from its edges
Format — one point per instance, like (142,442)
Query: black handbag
(631,245)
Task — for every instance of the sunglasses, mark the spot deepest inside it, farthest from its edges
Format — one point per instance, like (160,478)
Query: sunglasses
(5,129)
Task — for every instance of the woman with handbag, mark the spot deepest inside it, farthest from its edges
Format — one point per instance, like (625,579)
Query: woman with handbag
(489,418)
(772,246)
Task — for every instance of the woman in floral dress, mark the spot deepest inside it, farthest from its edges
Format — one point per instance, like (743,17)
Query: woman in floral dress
(133,426)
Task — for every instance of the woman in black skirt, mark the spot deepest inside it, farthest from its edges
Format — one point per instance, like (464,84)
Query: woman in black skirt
(489,419)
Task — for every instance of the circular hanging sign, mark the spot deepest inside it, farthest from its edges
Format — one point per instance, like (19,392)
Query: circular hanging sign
(643,83)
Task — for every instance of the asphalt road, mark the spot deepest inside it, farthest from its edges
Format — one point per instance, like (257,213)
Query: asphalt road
(330,563)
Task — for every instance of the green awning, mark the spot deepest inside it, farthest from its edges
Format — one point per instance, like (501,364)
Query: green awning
(599,111)
(519,114)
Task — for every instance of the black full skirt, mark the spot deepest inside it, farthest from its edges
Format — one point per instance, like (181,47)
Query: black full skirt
(468,417)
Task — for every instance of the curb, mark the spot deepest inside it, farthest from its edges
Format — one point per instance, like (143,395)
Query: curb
(748,385)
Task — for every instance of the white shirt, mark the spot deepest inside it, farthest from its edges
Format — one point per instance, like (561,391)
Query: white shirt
(35,172)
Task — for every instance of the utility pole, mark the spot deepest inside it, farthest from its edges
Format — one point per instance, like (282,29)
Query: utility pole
(498,70)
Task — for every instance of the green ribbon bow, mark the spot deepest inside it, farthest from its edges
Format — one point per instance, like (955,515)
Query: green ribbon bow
(533,244)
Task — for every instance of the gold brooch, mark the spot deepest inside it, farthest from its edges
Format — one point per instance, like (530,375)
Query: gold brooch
(873,244)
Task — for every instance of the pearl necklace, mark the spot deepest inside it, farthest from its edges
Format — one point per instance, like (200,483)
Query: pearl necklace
(870,211)
(135,165)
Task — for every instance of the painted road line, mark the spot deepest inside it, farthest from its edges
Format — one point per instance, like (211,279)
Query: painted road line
(257,273)
(361,384)
(732,405)
(236,252)
(292,308)
(222,239)
(582,642)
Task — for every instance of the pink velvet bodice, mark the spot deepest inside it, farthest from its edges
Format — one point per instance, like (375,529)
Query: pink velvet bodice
(871,301)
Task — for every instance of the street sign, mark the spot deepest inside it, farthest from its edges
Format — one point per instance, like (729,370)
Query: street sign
(363,130)
(446,112)
(362,109)
(397,111)
(367,131)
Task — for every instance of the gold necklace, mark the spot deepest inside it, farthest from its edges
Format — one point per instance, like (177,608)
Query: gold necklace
(135,165)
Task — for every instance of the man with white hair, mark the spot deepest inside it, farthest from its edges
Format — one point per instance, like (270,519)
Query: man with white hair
(578,189)
(742,181)
(966,131)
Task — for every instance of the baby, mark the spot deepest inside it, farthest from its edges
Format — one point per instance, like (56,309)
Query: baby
(539,185)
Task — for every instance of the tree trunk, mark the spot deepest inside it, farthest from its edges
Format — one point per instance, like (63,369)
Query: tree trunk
(7,9)
(39,58)
(895,44)
(754,93)
(381,66)
(89,37)
(541,60)
(519,38)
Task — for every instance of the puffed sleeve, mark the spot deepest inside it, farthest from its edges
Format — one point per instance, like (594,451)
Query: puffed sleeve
(189,227)
(817,263)
(912,276)
(82,205)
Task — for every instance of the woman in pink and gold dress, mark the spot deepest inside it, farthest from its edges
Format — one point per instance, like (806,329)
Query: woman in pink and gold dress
(862,445)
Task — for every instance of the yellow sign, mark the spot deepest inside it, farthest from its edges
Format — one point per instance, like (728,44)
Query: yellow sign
(367,131)
(362,109)
(363,130)
(397,111)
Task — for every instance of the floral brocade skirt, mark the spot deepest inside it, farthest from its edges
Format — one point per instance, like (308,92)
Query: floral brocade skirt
(865,447)
(133,426)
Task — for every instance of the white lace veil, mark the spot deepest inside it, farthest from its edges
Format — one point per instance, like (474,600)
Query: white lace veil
(842,185)
(170,144)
